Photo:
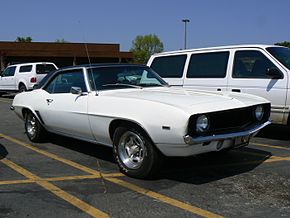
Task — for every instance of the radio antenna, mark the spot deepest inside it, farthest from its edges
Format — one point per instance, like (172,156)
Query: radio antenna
(90,71)
(87,51)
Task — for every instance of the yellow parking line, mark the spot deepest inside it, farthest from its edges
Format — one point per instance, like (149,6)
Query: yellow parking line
(154,195)
(274,159)
(163,198)
(5,101)
(270,146)
(16,182)
(58,179)
(52,156)
(57,191)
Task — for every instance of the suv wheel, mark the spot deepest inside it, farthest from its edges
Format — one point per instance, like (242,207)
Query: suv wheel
(22,88)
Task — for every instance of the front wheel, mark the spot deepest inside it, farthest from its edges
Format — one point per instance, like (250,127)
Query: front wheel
(135,153)
(34,131)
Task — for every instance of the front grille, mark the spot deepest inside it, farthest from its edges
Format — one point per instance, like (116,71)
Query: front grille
(229,121)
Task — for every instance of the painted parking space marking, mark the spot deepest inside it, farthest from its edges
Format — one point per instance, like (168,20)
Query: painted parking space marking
(152,194)
(270,146)
(59,179)
(164,198)
(5,101)
(56,190)
(16,182)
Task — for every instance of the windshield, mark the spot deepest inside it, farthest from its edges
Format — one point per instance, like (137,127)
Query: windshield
(119,77)
(281,54)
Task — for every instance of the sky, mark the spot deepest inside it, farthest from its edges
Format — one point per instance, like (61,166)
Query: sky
(212,22)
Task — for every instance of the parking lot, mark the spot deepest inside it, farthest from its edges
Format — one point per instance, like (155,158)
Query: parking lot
(68,178)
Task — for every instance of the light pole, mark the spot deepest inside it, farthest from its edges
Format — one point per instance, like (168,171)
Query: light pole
(185,21)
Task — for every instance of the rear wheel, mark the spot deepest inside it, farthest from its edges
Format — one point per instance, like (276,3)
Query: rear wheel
(22,88)
(34,131)
(135,153)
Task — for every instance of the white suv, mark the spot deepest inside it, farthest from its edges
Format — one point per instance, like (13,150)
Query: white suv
(22,77)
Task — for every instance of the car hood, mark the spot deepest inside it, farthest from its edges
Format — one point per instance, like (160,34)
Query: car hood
(187,100)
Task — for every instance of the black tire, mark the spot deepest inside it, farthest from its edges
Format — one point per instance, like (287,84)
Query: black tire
(151,159)
(22,88)
(33,129)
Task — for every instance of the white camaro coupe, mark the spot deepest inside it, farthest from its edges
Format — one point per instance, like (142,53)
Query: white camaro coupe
(130,108)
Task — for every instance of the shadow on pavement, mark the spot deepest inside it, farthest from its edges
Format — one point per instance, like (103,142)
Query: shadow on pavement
(213,166)
(3,152)
(198,169)
(99,151)
(278,132)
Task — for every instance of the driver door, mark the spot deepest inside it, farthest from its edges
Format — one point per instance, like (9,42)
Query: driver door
(64,112)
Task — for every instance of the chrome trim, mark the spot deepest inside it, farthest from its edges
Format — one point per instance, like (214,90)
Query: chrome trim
(197,140)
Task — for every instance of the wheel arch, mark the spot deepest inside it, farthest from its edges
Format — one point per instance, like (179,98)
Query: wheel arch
(129,123)
(36,114)
(21,82)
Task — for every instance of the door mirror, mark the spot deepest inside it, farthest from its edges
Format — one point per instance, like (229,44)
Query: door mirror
(76,90)
(274,73)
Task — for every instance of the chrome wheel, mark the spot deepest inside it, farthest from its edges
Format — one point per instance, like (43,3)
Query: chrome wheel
(131,150)
(31,126)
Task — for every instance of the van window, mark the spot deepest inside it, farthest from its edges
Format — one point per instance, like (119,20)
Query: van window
(282,54)
(251,64)
(25,69)
(44,68)
(169,66)
(208,65)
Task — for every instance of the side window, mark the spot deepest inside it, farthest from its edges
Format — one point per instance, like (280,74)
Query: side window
(169,66)
(208,65)
(251,64)
(63,82)
(44,68)
(25,69)
(10,71)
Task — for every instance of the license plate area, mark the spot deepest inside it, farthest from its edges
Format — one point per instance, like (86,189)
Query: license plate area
(242,141)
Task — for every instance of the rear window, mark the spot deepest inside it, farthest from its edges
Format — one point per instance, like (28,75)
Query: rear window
(44,68)
(169,66)
(25,69)
(208,65)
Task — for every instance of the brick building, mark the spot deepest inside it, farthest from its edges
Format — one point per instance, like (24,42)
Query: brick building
(62,54)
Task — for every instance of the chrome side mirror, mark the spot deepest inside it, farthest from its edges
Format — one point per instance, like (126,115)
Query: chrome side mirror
(76,90)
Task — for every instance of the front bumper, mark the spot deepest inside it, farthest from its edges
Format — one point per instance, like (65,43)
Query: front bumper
(204,139)
(199,145)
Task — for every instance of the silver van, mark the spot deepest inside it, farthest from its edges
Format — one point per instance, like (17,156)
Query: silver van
(262,70)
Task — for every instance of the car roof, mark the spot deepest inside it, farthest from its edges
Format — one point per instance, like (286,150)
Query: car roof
(263,46)
(52,73)
(29,63)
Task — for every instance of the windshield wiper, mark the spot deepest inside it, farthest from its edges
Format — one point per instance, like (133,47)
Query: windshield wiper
(122,84)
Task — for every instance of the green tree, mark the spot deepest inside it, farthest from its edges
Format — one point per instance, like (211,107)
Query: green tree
(145,46)
(23,39)
(285,43)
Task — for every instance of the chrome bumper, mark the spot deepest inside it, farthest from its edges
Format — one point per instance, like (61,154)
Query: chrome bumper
(202,139)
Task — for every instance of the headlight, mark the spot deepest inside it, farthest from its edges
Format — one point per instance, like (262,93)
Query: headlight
(259,112)
(202,123)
